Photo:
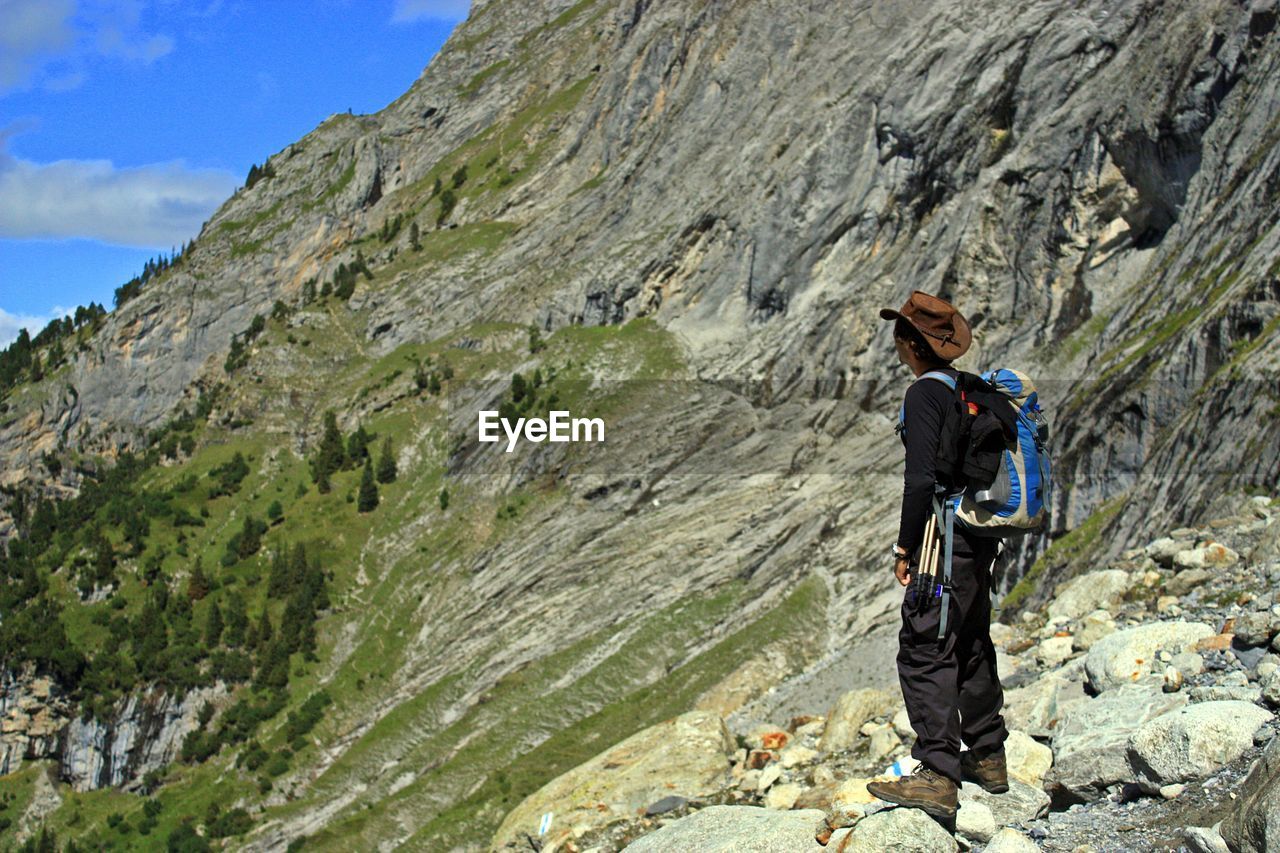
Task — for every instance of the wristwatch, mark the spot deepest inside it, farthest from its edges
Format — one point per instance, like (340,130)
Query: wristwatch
(898,553)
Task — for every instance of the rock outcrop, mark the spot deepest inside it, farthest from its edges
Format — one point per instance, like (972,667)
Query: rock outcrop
(143,733)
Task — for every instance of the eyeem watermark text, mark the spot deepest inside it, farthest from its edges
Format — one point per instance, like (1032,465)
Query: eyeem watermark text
(558,426)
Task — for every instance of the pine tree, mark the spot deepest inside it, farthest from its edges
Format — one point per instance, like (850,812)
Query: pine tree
(250,538)
(278,579)
(213,626)
(331,454)
(265,633)
(198,583)
(237,620)
(358,446)
(415,237)
(273,666)
(297,573)
(367,500)
(444,499)
(104,562)
(386,463)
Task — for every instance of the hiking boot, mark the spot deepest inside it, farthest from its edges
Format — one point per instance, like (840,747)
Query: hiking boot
(923,789)
(989,772)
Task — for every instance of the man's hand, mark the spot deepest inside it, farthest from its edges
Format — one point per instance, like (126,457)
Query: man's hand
(902,570)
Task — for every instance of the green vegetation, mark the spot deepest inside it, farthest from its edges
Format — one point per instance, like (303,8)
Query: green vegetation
(1070,549)
(473,85)
(259,173)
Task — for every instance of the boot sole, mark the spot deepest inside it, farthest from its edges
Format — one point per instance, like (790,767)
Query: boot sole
(927,806)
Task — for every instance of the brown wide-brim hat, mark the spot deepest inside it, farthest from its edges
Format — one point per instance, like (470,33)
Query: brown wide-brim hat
(944,328)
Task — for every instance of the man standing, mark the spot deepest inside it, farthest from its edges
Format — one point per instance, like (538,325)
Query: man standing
(949,682)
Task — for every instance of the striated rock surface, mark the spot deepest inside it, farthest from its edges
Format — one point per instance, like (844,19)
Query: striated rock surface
(687,756)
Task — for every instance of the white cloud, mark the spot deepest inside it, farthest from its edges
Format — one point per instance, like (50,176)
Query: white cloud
(49,42)
(438,10)
(11,323)
(33,31)
(157,205)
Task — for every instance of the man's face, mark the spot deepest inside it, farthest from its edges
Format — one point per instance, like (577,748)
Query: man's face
(904,350)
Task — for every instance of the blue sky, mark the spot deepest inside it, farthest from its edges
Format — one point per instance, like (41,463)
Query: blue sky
(125,123)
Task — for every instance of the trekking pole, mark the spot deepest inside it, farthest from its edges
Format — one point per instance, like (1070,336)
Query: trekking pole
(925,565)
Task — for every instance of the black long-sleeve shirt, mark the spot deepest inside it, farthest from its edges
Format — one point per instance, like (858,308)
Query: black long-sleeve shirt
(924,407)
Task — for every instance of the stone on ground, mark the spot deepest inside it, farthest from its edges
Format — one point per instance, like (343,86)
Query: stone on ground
(729,829)
(848,715)
(1192,742)
(1202,839)
(975,821)
(687,756)
(1038,707)
(1089,744)
(902,830)
(1253,823)
(1009,840)
(1021,803)
(1087,593)
(1125,656)
(1213,555)
(1026,758)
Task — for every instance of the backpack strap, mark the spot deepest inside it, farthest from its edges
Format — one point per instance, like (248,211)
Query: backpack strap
(949,381)
(945,507)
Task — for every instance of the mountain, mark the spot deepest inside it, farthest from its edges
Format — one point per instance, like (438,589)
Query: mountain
(680,218)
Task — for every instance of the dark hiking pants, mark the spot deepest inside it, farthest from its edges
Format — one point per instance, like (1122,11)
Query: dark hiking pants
(950,686)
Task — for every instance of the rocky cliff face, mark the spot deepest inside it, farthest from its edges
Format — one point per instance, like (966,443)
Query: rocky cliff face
(1092,184)
(144,732)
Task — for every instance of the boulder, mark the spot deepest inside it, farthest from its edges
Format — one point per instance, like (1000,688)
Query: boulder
(849,713)
(1021,803)
(1027,759)
(1205,839)
(1093,628)
(1037,708)
(1183,582)
(975,821)
(1257,628)
(1089,746)
(1125,656)
(1009,840)
(883,742)
(1226,693)
(686,756)
(783,797)
(1252,824)
(1271,689)
(1188,663)
(902,830)
(1192,742)
(1054,651)
(1163,549)
(1213,555)
(796,754)
(725,829)
(1087,593)
(853,792)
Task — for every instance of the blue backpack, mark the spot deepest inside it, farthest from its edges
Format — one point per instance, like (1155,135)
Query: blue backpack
(1016,501)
